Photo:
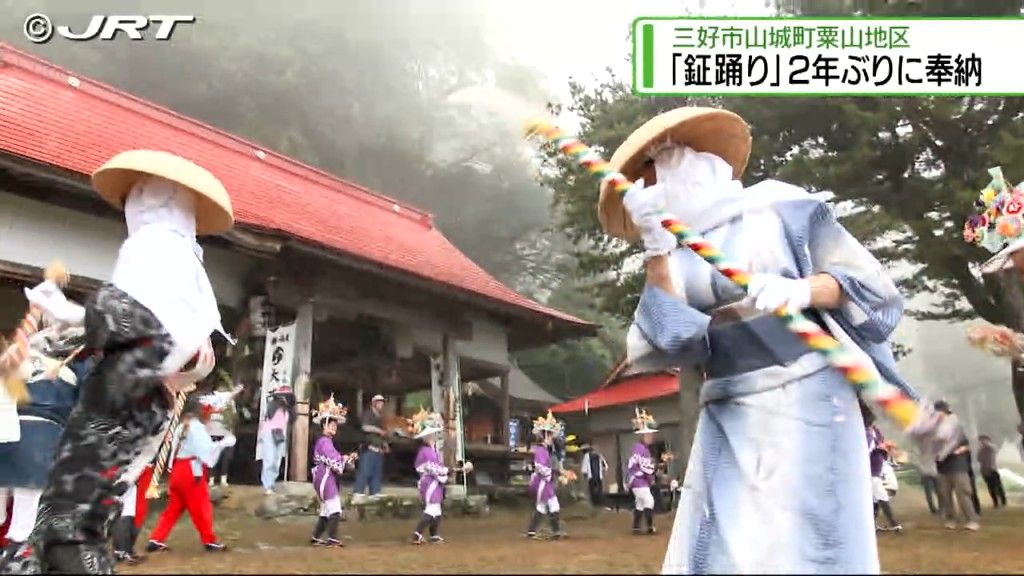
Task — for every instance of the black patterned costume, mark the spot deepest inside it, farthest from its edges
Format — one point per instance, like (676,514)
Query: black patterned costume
(123,405)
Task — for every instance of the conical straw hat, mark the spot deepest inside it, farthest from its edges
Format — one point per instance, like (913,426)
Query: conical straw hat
(712,130)
(114,180)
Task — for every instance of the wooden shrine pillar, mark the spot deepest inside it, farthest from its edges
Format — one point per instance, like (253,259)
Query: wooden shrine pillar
(506,409)
(299,469)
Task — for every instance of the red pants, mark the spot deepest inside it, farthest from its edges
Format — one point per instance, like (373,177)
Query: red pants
(186,492)
(141,502)
(7,523)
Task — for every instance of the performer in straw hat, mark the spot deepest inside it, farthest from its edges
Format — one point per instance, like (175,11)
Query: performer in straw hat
(328,467)
(428,428)
(150,328)
(641,471)
(543,479)
(772,484)
(51,372)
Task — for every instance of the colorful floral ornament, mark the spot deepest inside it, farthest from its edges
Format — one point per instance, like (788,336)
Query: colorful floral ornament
(1001,217)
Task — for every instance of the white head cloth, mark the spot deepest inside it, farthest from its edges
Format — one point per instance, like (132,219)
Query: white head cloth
(160,265)
(700,190)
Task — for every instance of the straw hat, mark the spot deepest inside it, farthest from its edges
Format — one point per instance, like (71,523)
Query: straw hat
(712,130)
(115,179)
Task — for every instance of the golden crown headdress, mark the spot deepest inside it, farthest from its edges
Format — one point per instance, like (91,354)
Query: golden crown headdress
(330,410)
(424,422)
(547,423)
(644,422)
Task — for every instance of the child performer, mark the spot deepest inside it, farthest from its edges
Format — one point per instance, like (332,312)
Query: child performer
(187,487)
(155,316)
(428,428)
(219,416)
(542,480)
(641,471)
(328,466)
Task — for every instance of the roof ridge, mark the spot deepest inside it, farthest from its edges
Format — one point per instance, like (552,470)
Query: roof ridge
(11,56)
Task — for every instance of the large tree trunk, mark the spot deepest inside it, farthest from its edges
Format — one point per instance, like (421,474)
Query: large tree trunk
(1013,300)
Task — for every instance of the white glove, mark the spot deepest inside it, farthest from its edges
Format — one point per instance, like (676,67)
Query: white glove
(48,297)
(771,291)
(227,441)
(204,365)
(646,207)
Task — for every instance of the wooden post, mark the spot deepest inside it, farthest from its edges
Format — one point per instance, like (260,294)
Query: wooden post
(454,448)
(299,470)
(506,409)
(436,385)
(690,380)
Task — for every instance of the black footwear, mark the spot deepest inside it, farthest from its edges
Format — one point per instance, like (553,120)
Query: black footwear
(215,547)
(417,538)
(532,536)
(153,546)
(128,558)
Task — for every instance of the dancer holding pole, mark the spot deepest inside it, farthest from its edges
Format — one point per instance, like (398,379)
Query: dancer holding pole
(145,326)
(777,412)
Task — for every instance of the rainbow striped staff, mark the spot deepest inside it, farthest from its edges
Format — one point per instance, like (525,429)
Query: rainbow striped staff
(153,491)
(897,405)
(17,352)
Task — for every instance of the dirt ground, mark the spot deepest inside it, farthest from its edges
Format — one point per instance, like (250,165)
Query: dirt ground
(596,545)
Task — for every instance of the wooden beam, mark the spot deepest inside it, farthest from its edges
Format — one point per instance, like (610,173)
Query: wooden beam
(303,359)
(506,408)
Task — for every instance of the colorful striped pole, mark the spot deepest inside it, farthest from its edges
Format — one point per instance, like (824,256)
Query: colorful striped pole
(893,402)
(165,448)
(17,352)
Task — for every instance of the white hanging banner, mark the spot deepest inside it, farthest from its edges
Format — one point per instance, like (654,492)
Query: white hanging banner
(278,362)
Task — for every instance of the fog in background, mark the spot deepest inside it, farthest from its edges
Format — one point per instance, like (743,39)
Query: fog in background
(359,88)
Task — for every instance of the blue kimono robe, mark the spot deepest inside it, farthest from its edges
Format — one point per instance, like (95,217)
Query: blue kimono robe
(777,481)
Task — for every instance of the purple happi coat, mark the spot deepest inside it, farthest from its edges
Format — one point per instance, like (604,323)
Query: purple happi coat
(542,481)
(641,467)
(433,475)
(328,466)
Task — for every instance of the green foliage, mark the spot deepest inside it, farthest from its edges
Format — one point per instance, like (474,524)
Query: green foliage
(910,169)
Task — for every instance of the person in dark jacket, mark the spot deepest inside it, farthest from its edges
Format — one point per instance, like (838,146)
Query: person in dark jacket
(989,471)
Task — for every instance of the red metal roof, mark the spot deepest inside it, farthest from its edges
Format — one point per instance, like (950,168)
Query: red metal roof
(629,390)
(52,116)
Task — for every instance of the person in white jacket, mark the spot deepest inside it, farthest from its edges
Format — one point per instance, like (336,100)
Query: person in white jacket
(593,468)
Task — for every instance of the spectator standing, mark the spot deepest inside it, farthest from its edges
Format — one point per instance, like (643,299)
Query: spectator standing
(592,468)
(989,471)
(953,464)
(370,473)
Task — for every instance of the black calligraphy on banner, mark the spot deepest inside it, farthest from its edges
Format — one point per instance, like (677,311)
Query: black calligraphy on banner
(752,70)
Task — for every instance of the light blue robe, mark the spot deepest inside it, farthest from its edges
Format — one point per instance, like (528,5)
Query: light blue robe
(776,481)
